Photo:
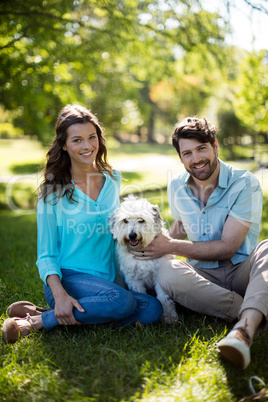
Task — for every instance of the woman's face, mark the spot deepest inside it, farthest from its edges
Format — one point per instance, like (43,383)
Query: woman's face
(82,144)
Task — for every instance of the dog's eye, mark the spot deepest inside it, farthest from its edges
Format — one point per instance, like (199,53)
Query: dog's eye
(125,221)
(141,220)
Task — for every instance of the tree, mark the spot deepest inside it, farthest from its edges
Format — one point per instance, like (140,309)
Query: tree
(251,94)
(51,54)
(103,54)
(261,6)
(183,40)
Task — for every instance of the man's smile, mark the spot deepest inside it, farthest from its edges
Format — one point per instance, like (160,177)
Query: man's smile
(200,166)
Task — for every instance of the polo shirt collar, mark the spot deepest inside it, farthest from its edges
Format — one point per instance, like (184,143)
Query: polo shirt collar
(223,176)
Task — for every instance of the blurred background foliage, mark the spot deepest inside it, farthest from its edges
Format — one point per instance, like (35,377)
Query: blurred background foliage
(140,65)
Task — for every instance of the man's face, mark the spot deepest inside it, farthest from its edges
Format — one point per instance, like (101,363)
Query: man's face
(200,160)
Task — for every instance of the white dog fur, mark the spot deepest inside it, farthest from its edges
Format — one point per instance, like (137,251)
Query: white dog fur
(134,225)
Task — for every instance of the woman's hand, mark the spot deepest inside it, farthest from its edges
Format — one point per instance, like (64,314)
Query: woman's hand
(64,304)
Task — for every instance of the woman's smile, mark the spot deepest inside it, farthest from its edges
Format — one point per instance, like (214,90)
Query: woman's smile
(86,153)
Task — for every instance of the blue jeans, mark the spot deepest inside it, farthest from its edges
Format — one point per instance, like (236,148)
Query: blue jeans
(103,302)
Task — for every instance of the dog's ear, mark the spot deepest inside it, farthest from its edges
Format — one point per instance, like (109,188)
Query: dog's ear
(158,220)
(156,213)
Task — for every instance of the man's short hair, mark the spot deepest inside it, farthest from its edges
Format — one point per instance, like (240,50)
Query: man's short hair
(192,127)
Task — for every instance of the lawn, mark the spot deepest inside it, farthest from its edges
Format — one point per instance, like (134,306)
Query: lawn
(98,363)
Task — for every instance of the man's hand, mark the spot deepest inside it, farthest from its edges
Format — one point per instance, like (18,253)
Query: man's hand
(159,247)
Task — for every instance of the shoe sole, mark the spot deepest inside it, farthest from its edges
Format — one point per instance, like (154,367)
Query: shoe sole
(25,303)
(10,326)
(232,355)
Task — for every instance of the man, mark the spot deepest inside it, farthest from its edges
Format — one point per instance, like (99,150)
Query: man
(218,208)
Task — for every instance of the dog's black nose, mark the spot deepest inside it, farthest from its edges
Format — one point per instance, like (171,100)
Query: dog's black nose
(132,235)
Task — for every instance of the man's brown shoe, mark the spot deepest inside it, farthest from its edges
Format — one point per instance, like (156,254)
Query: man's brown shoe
(16,327)
(22,308)
(235,347)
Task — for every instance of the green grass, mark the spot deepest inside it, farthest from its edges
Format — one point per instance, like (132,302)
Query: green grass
(99,363)
(27,156)
(18,152)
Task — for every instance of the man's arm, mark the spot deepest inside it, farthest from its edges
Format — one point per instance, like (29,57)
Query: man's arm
(233,235)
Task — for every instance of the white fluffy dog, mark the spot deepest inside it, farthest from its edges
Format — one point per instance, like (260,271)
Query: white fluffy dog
(134,225)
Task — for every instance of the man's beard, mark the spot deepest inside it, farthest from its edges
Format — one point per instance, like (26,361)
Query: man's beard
(206,172)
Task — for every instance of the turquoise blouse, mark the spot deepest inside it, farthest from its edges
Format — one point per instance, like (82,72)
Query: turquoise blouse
(76,235)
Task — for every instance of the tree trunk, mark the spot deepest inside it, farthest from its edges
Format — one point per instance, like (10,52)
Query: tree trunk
(150,134)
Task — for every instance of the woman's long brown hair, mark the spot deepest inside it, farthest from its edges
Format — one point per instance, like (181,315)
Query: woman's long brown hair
(57,173)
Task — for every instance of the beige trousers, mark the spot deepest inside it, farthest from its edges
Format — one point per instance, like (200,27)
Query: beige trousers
(223,292)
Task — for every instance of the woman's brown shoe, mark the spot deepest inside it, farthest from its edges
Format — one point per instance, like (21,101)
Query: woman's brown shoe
(17,327)
(21,308)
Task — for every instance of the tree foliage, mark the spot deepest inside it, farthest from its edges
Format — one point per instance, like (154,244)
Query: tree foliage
(111,55)
(251,93)
(137,64)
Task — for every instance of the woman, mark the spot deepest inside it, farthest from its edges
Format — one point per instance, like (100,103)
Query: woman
(76,253)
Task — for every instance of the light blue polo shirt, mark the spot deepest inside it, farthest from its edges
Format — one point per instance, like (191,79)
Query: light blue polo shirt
(76,235)
(238,194)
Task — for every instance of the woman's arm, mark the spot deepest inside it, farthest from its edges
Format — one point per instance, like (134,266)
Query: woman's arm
(48,253)
(49,266)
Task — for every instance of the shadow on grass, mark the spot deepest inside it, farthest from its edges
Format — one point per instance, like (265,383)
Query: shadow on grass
(125,364)
(132,176)
(122,364)
(18,247)
(3,204)
(26,168)
(19,196)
